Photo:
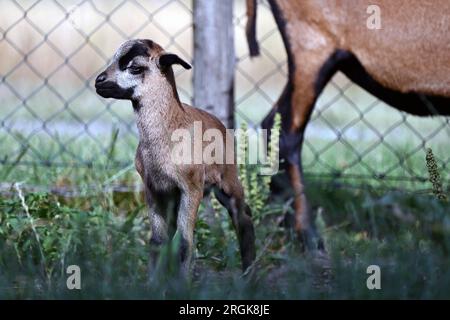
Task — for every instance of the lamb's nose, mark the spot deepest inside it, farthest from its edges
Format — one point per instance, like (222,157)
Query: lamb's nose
(101,78)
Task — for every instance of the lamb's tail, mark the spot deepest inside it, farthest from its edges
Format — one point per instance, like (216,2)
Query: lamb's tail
(251,28)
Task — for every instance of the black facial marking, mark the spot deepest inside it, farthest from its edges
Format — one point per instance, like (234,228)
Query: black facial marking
(149,43)
(137,69)
(109,89)
(138,49)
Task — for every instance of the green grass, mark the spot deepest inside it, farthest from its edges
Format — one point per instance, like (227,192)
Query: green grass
(106,234)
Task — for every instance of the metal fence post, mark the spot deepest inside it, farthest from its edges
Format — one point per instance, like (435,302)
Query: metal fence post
(214,58)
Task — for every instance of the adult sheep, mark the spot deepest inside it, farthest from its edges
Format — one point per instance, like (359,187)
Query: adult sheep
(405,63)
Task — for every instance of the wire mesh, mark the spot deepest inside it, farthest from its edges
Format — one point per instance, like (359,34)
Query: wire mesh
(52,51)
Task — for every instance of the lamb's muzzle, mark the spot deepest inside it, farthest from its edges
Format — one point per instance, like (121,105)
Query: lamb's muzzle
(141,71)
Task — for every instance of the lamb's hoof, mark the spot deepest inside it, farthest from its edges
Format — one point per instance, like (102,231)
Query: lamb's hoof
(308,238)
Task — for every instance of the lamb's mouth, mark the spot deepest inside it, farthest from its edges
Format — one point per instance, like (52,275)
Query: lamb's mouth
(112,90)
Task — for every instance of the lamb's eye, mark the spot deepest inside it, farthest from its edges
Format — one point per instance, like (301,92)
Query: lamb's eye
(136,70)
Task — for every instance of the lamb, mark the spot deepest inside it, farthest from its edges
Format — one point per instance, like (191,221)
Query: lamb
(141,71)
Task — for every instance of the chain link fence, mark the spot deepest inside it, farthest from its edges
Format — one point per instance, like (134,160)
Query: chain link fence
(52,50)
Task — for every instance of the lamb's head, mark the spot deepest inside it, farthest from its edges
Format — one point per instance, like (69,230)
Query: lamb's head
(137,67)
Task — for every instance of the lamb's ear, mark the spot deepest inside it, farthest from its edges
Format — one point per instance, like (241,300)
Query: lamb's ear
(168,59)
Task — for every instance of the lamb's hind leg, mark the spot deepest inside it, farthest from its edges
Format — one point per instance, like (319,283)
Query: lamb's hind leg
(232,198)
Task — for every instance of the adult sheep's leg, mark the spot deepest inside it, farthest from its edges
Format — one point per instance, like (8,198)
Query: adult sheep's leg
(313,70)
(280,182)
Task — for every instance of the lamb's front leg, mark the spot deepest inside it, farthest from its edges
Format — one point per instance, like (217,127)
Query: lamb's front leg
(158,229)
(187,215)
